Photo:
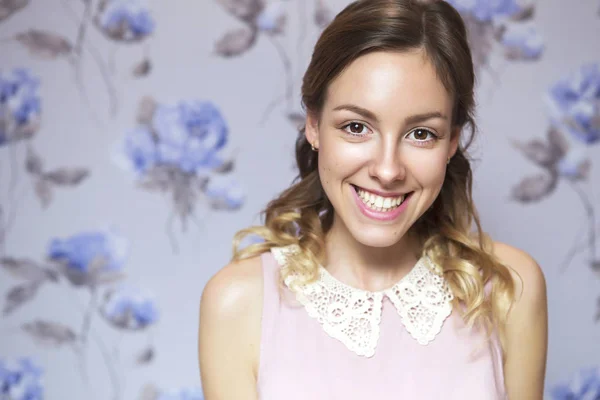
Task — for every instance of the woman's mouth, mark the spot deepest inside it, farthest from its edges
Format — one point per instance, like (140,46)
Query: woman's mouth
(380,207)
(379,203)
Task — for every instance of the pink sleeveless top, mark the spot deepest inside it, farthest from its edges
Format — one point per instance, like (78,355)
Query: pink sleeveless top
(300,361)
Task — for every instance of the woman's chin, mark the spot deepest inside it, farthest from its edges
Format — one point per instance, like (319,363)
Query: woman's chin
(376,237)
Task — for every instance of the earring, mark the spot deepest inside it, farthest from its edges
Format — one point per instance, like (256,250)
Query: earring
(448,162)
(312,146)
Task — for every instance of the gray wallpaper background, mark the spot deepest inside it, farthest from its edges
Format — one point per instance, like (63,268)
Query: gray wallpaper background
(73,213)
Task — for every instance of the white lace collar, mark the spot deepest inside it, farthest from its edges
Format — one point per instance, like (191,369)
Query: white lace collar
(352,316)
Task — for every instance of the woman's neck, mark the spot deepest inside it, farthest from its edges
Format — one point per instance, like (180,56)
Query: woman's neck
(365,267)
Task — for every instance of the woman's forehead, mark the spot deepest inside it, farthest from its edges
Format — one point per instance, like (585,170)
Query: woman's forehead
(393,82)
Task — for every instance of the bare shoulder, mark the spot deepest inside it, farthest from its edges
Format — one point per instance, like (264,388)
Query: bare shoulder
(229,330)
(526,330)
(234,288)
(528,276)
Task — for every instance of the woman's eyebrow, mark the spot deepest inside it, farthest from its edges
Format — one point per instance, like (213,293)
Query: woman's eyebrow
(413,119)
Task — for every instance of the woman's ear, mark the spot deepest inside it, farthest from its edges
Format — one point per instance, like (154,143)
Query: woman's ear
(454,141)
(312,129)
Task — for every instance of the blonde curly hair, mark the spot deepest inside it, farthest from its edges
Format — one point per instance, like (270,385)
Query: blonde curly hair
(302,214)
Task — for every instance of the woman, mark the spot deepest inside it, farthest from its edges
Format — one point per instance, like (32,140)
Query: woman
(370,282)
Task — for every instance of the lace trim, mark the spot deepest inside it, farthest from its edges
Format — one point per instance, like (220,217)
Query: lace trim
(352,316)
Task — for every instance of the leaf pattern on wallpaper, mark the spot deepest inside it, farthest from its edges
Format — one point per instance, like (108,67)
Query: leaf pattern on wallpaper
(236,42)
(44,44)
(143,68)
(66,176)
(574,112)
(34,164)
(9,7)
(145,356)
(534,188)
(323,14)
(148,392)
(25,268)
(45,182)
(20,295)
(50,332)
(543,153)
(245,10)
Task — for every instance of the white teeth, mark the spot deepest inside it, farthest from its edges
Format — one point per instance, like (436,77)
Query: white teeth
(379,203)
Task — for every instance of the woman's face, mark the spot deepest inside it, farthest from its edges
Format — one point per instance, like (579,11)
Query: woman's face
(384,137)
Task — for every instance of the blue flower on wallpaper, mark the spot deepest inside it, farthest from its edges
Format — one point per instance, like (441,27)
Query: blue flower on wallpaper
(584,385)
(574,103)
(225,192)
(181,149)
(181,394)
(187,136)
(190,135)
(522,41)
(20,105)
(89,257)
(140,148)
(20,380)
(486,10)
(130,308)
(272,17)
(127,20)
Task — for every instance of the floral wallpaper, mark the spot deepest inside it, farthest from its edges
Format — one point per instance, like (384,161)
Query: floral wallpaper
(136,137)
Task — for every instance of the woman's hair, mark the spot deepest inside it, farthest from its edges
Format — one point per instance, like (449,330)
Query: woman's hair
(302,214)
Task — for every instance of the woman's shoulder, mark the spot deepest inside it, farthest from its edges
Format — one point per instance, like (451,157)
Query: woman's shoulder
(527,274)
(235,288)
(526,333)
(230,321)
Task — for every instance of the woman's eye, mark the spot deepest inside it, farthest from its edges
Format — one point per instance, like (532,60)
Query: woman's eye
(421,134)
(356,128)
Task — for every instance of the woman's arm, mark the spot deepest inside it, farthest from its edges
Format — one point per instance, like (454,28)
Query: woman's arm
(229,331)
(527,326)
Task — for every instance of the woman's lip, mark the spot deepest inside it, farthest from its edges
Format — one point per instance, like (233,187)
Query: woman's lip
(380,193)
(383,216)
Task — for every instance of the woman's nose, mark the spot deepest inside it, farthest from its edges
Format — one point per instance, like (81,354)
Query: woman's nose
(387,165)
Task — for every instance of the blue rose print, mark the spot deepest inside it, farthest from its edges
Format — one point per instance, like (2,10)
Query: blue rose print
(89,257)
(20,380)
(127,20)
(583,386)
(130,308)
(20,105)
(225,192)
(272,17)
(140,148)
(181,394)
(523,41)
(574,103)
(486,10)
(190,135)
(181,149)
(187,136)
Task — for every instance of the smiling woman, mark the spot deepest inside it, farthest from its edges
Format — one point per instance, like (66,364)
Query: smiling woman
(375,240)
